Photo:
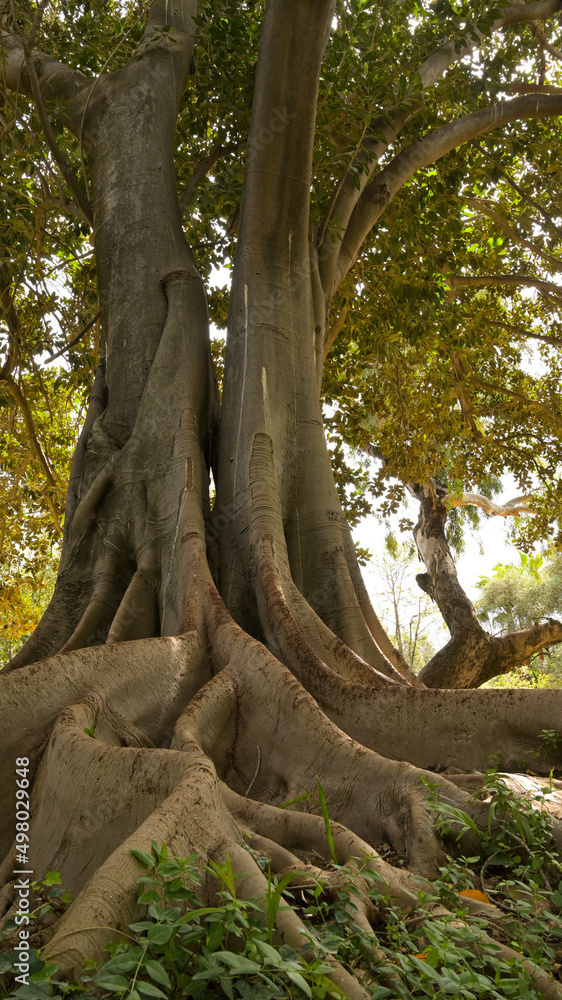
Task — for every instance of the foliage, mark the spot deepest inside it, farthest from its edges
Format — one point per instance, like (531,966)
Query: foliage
(440,364)
(25,589)
(186,948)
(516,597)
(408,615)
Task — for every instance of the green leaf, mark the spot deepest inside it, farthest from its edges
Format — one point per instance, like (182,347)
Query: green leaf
(238,963)
(298,980)
(149,990)
(324,809)
(143,857)
(160,933)
(52,878)
(116,983)
(120,964)
(157,972)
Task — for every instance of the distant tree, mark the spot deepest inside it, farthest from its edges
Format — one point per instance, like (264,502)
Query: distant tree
(406,613)
(518,597)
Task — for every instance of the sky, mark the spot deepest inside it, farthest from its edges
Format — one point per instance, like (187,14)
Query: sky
(484,549)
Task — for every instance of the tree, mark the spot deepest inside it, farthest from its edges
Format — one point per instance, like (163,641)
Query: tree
(517,597)
(410,614)
(196,668)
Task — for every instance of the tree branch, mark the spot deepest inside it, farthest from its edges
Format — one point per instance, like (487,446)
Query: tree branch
(545,44)
(519,396)
(14,328)
(350,187)
(17,393)
(201,170)
(511,508)
(516,648)
(532,88)
(56,80)
(465,406)
(479,205)
(58,156)
(546,338)
(424,152)
(75,340)
(335,329)
(534,204)
(489,280)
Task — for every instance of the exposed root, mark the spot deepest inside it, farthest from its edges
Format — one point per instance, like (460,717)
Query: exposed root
(380,800)
(291,626)
(127,674)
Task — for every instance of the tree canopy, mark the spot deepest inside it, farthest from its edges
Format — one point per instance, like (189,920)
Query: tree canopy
(210,674)
(444,347)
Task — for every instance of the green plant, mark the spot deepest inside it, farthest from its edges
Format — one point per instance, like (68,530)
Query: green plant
(183,948)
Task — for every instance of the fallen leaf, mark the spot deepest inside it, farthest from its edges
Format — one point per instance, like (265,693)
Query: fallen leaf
(476,894)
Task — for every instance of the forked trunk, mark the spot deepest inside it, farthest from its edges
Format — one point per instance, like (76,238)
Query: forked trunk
(243,685)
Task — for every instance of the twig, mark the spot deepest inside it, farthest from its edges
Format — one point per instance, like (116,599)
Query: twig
(60,159)
(256,772)
(74,340)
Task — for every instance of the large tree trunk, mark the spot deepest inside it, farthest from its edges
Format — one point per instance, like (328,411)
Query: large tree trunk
(201,688)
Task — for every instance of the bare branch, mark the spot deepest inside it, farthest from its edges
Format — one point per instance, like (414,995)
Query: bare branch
(424,152)
(523,332)
(511,508)
(75,340)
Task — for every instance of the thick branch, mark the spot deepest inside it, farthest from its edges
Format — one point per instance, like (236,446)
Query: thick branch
(350,187)
(280,144)
(516,648)
(443,584)
(425,151)
(511,280)
(512,508)
(56,81)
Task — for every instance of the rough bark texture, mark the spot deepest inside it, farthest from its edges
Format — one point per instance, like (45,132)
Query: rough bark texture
(215,697)
(471,656)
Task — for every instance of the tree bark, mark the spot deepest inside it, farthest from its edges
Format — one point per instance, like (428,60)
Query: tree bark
(471,656)
(212,698)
